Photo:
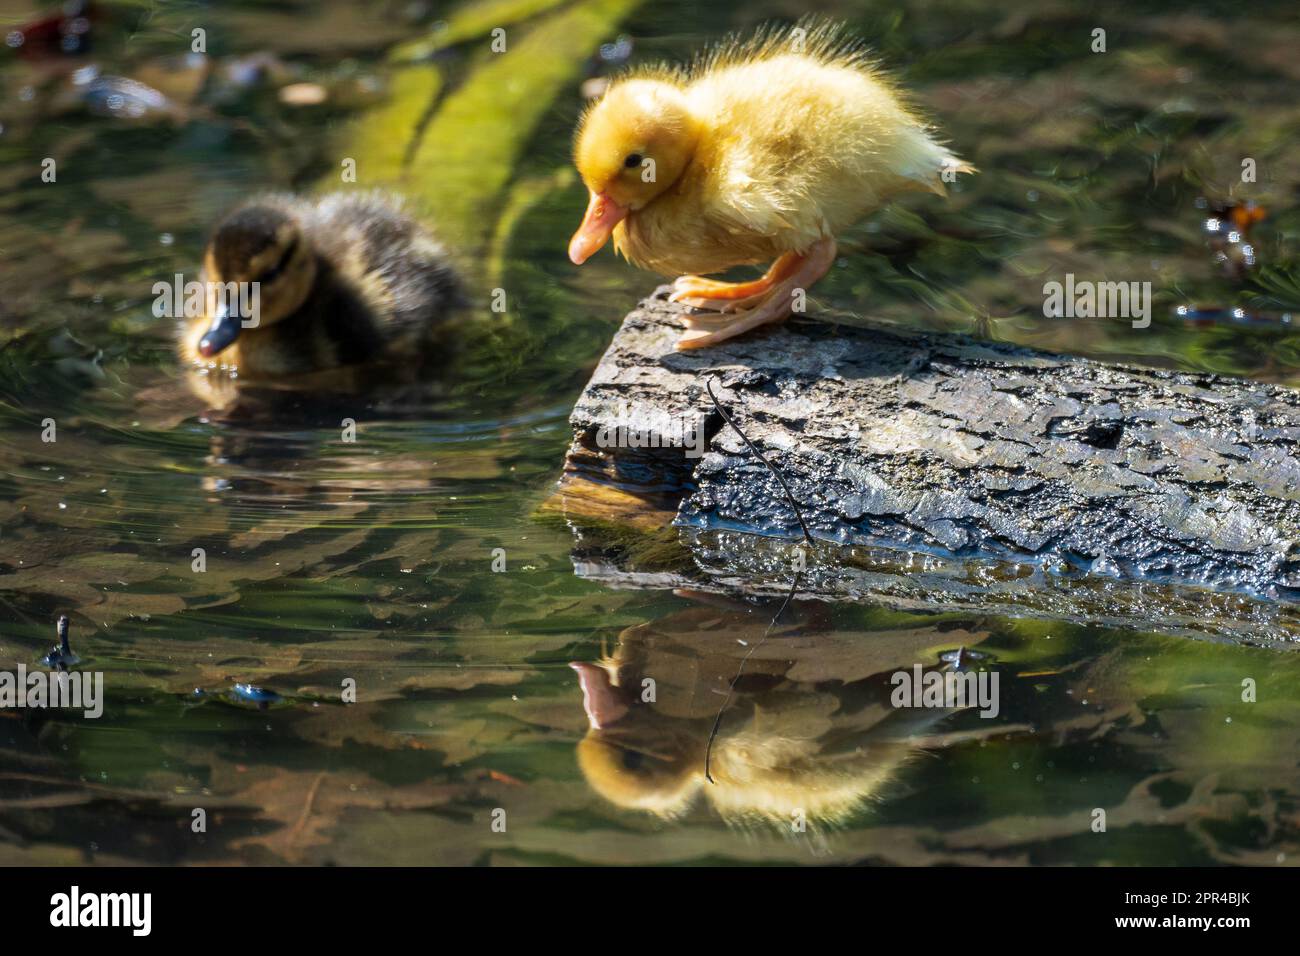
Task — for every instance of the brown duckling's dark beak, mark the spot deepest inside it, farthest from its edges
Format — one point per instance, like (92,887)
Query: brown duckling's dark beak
(600,699)
(223,331)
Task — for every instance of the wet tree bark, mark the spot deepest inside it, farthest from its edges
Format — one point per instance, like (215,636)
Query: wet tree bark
(952,448)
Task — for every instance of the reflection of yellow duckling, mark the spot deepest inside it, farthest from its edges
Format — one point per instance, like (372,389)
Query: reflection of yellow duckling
(796,743)
(764,151)
(343,280)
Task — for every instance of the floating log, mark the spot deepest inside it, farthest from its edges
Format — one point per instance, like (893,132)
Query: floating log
(951,473)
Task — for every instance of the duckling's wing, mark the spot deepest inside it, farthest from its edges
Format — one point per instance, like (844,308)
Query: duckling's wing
(752,204)
(756,165)
(393,262)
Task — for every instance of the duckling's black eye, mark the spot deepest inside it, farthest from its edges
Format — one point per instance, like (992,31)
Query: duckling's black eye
(633,160)
(273,273)
(632,759)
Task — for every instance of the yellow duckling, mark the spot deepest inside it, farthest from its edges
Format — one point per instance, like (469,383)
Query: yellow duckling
(763,151)
(809,731)
(342,280)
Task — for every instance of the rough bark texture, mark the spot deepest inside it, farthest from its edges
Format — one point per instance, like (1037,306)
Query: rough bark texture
(957,449)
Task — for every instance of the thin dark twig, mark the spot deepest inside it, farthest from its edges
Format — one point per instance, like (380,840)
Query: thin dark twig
(717,721)
(794,585)
(807,535)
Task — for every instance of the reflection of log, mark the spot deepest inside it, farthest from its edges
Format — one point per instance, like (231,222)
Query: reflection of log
(1026,470)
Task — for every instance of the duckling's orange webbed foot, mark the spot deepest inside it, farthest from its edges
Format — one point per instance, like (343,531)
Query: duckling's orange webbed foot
(697,289)
(773,306)
(717,314)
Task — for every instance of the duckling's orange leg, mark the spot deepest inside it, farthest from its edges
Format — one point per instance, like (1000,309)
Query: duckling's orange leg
(700,288)
(775,306)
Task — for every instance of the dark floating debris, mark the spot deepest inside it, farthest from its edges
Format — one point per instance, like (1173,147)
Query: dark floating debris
(66,32)
(120,97)
(1228,234)
(1227,230)
(1214,315)
(239,694)
(60,656)
(961,657)
(257,695)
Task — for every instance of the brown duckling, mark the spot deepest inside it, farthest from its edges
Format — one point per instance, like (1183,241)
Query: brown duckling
(342,280)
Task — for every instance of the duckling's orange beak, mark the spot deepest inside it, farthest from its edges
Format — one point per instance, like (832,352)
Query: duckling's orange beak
(600,698)
(603,214)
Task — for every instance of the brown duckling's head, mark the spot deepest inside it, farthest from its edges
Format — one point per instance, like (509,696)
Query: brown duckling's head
(260,243)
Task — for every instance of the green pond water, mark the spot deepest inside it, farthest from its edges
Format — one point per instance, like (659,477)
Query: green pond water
(371,563)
